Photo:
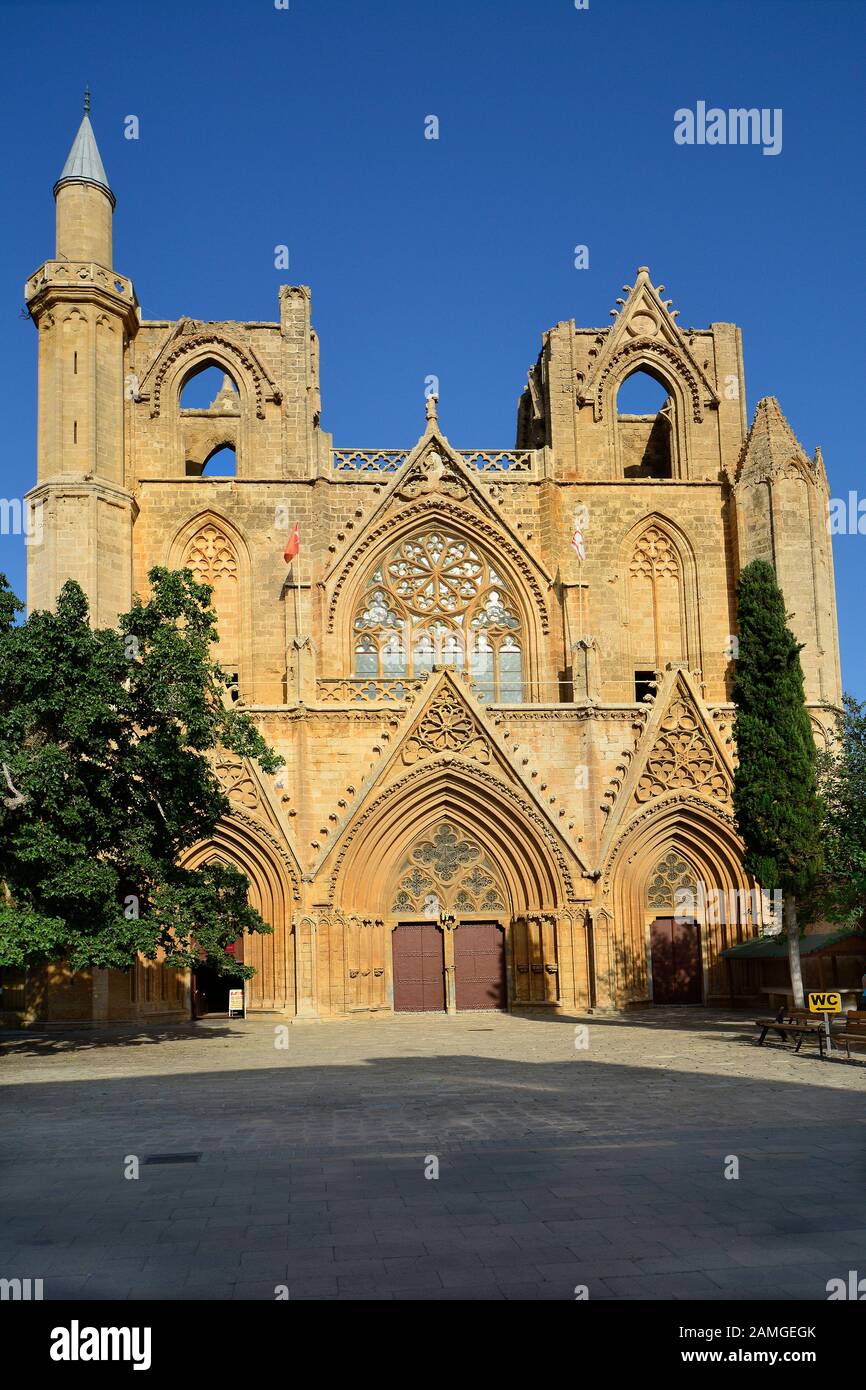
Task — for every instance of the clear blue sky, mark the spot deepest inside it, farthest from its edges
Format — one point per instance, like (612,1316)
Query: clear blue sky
(305,126)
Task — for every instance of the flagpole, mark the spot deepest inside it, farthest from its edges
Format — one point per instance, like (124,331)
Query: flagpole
(288,660)
(291,557)
(580,595)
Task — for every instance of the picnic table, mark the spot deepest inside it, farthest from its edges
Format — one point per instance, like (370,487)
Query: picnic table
(854,1030)
(793,1023)
(848,1028)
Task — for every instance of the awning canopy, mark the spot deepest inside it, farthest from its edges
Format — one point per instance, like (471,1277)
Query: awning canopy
(835,943)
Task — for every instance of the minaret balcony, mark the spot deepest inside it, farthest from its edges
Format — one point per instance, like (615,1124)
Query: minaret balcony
(80,276)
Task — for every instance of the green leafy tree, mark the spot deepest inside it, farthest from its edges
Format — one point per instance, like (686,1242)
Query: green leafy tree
(841,891)
(106,743)
(776,802)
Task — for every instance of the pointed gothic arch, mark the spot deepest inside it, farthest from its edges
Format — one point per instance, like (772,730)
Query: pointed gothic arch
(523,585)
(447,870)
(660,599)
(726,901)
(187,353)
(531,868)
(646,431)
(274,887)
(666,366)
(216,551)
(189,348)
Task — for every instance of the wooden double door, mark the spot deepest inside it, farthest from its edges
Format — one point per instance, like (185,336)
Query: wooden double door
(676,961)
(456,966)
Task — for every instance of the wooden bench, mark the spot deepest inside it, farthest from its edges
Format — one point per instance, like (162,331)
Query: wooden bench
(854,1031)
(794,1023)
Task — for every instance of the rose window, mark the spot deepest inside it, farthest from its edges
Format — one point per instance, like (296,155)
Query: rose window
(448,871)
(437,601)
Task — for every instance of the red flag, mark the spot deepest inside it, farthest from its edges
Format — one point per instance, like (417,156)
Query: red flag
(293,545)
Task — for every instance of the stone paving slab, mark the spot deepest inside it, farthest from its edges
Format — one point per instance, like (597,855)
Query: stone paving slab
(556,1168)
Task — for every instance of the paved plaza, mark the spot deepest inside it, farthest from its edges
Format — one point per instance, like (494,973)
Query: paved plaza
(558,1166)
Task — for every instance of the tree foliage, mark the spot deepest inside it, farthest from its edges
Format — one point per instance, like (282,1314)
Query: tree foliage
(841,892)
(107,738)
(776,798)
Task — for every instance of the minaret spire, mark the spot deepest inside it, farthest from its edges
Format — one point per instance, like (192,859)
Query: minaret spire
(84,163)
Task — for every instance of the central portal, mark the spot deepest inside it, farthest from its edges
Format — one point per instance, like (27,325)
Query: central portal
(423,954)
(455,957)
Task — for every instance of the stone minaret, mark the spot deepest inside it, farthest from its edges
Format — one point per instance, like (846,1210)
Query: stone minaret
(782,509)
(85,313)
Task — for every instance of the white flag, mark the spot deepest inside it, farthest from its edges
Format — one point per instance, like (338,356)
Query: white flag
(577,542)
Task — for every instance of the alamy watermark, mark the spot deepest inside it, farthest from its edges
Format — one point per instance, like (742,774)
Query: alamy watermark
(20,1290)
(705,904)
(738,126)
(21,518)
(847,517)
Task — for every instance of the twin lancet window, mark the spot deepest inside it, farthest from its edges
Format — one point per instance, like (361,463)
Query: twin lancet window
(436,600)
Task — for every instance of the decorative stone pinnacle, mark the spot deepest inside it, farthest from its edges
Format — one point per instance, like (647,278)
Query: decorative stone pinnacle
(431,411)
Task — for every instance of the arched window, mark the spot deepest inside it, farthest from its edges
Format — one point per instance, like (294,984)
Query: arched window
(213,560)
(645,427)
(222,463)
(448,871)
(672,875)
(437,600)
(210,417)
(656,601)
(208,388)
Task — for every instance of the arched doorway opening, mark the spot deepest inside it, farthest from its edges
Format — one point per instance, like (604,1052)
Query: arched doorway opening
(449,906)
(452,845)
(676,970)
(210,990)
(678,896)
(273,888)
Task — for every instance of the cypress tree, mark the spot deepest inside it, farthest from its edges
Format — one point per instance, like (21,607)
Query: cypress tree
(776,802)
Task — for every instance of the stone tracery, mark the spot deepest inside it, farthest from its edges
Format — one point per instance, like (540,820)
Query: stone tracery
(671,874)
(437,600)
(656,599)
(213,559)
(211,556)
(448,870)
(682,759)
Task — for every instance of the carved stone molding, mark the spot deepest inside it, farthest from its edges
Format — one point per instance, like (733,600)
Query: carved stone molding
(264,832)
(497,787)
(682,803)
(191,342)
(645,347)
(439,507)
(447,726)
(569,713)
(236,781)
(433,473)
(683,759)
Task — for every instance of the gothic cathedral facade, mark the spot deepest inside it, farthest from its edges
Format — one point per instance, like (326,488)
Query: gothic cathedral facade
(500,679)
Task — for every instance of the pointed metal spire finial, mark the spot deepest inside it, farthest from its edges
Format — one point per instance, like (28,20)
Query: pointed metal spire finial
(83,163)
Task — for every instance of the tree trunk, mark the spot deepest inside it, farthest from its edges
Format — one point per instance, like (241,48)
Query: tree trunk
(789,913)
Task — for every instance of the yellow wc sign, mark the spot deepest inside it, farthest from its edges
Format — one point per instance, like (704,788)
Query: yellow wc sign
(825,1003)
